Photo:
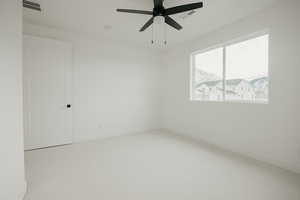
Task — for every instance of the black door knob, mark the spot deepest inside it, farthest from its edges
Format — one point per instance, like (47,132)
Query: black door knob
(69,106)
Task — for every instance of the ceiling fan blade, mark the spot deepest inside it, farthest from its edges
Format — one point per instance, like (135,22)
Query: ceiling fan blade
(148,23)
(143,12)
(183,8)
(158,3)
(172,23)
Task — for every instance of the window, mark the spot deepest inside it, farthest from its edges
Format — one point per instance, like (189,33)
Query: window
(234,72)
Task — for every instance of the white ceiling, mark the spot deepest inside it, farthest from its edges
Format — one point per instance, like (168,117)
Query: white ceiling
(94,16)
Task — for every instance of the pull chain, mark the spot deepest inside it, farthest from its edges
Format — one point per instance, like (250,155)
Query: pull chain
(165,34)
(152,41)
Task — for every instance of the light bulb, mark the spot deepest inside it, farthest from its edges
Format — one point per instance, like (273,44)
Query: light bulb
(159,20)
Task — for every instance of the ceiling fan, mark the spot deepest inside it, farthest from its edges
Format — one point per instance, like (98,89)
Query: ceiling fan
(160,11)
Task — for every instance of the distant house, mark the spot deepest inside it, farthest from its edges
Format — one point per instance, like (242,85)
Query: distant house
(236,89)
(261,88)
(210,90)
(239,89)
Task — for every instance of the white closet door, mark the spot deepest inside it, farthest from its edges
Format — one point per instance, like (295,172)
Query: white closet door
(47,92)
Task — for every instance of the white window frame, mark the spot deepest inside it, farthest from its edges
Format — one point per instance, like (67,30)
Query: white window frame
(223,46)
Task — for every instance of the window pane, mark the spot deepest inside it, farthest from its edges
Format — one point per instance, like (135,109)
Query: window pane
(247,70)
(208,76)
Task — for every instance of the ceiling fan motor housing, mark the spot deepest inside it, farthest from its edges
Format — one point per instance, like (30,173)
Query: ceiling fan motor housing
(159,11)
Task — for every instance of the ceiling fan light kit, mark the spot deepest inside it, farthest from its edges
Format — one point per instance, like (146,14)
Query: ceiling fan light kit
(159,31)
(162,14)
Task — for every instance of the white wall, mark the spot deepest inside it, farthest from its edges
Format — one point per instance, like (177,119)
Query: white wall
(265,132)
(12,184)
(115,86)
